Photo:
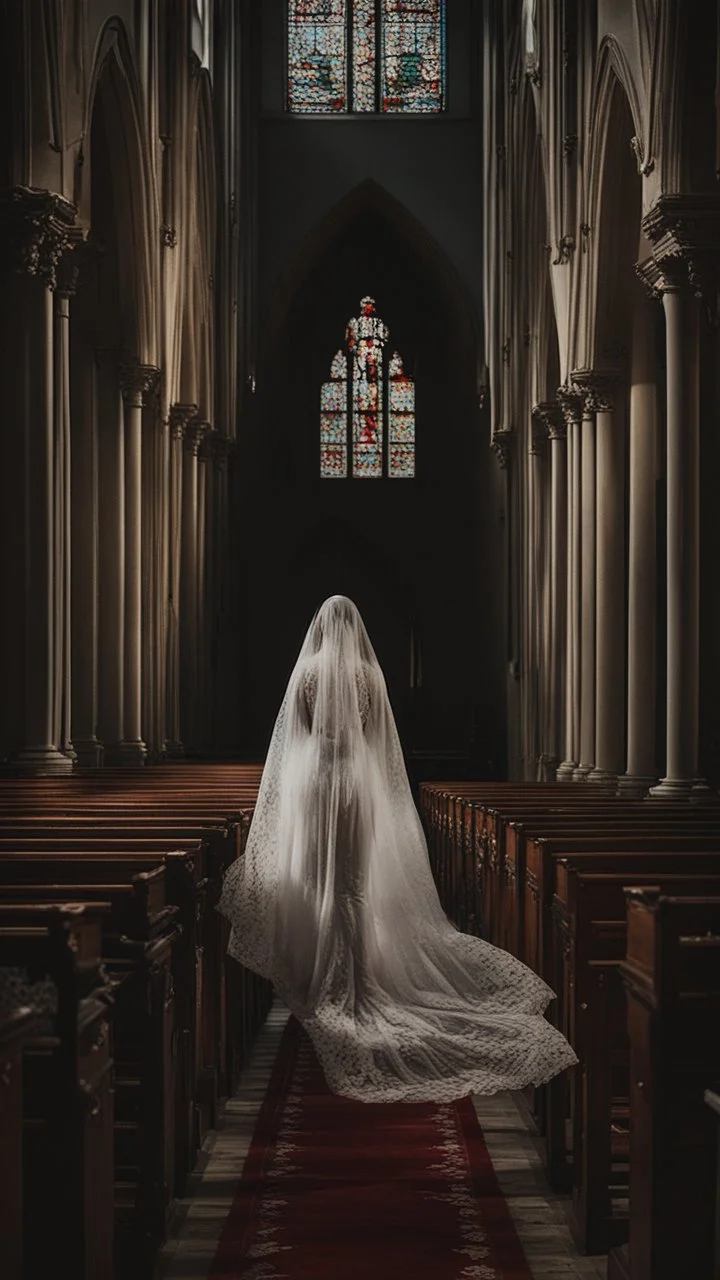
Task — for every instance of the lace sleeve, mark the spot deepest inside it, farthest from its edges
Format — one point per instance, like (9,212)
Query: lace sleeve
(309,693)
(363,695)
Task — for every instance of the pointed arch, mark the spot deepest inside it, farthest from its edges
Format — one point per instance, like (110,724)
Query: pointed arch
(114,82)
(368,198)
(613,225)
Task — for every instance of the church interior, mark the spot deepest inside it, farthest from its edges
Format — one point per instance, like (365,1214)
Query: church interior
(418,302)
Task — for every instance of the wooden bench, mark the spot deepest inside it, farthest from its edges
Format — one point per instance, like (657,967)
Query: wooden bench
(672,977)
(67,1104)
(590,932)
(17,1027)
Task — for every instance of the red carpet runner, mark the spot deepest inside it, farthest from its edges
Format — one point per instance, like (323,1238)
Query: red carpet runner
(339,1190)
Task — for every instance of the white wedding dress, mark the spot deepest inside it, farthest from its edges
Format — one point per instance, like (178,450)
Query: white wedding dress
(334,901)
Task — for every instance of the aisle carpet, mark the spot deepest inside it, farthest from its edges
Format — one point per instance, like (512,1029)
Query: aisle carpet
(339,1190)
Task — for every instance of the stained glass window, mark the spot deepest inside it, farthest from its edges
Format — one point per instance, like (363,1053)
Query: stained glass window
(401,427)
(366,55)
(413,55)
(367,407)
(317,55)
(333,420)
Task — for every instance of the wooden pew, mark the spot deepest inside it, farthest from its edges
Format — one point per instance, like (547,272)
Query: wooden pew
(590,933)
(614,817)
(672,977)
(150,1114)
(17,1027)
(68,1115)
(147,811)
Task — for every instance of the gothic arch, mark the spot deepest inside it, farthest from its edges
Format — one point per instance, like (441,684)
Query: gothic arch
(370,197)
(197,357)
(612,225)
(113,84)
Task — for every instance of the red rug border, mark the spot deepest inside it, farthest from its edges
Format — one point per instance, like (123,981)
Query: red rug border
(507,1253)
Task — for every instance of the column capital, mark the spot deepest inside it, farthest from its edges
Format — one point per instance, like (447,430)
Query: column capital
(597,388)
(222,447)
(502,444)
(550,413)
(179,417)
(538,433)
(207,443)
(684,231)
(38,227)
(571,402)
(137,381)
(194,434)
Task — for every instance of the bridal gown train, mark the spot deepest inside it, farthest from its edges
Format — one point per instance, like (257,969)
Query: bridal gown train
(335,902)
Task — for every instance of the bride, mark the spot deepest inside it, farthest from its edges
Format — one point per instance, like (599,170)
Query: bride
(334,901)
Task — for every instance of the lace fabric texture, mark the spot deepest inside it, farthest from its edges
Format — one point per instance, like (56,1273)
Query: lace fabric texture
(334,901)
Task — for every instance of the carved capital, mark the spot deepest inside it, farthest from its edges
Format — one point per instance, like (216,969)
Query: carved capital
(684,231)
(550,414)
(38,228)
(502,444)
(195,433)
(597,389)
(207,443)
(571,404)
(179,417)
(137,381)
(70,264)
(222,447)
(538,434)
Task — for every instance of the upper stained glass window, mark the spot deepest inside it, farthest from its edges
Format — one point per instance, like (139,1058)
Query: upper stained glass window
(367,406)
(366,56)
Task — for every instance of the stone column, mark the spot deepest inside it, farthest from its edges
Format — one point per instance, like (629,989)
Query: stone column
(111,556)
(189,587)
(538,596)
(201,620)
(683,545)
(571,404)
(587,594)
(84,541)
(66,284)
(180,416)
(642,570)
(610,583)
(221,453)
(136,381)
(558,573)
(38,229)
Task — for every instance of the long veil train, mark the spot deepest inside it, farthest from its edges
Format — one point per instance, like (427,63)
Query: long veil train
(334,901)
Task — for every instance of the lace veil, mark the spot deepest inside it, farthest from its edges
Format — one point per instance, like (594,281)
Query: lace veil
(335,902)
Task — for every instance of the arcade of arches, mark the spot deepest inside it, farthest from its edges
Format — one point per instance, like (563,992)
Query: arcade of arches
(180,257)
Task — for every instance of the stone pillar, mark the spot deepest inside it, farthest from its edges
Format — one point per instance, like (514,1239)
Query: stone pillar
(180,416)
(571,404)
(84,541)
(189,588)
(221,452)
(111,556)
(642,570)
(538,602)
(610,628)
(201,588)
(136,381)
(64,288)
(683,545)
(38,229)
(587,594)
(558,575)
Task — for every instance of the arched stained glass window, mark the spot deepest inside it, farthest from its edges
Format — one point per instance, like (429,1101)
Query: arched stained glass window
(367,406)
(366,55)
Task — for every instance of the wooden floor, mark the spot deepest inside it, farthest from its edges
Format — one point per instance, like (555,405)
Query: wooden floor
(538,1212)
